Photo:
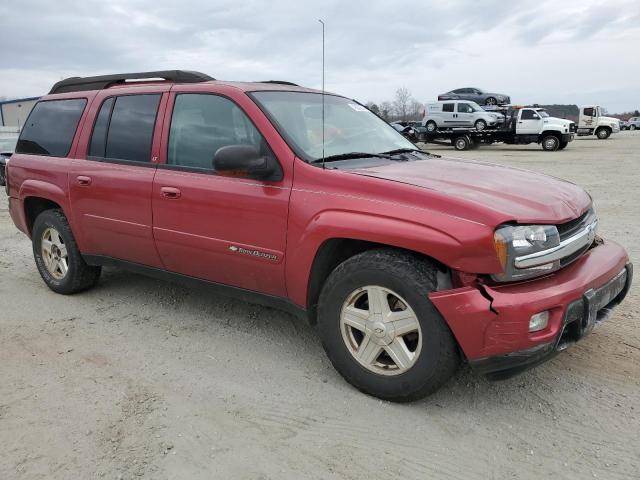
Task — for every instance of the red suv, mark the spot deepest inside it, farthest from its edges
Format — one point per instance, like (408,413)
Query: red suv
(407,262)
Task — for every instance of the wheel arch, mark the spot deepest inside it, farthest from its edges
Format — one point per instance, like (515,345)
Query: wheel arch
(37,196)
(334,251)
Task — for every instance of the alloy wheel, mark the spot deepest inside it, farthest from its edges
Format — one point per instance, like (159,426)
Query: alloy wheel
(380,330)
(54,253)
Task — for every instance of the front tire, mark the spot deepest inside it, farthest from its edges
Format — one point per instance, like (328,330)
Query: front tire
(480,125)
(380,330)
(491,101)
(550,143)
(57,257)
(603,133)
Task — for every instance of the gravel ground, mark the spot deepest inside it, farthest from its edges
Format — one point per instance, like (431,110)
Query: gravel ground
(144,379)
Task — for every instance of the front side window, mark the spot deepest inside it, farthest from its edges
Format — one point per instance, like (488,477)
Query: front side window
(201,124)
(348,126)
(529,115)
(588,112)
(465,108)
(51,127)
(124,128)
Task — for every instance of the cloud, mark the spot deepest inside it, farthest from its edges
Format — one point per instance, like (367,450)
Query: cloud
(372,47)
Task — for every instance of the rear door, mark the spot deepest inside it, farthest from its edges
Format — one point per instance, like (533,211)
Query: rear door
(448,118)
(225,229)
(111,186)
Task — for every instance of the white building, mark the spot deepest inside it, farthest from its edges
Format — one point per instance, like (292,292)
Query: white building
(13,113)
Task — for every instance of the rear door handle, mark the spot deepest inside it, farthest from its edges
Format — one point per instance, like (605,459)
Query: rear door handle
(83,181)
(170,192)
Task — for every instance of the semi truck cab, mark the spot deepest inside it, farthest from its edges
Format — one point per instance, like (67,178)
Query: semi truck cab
(592,121)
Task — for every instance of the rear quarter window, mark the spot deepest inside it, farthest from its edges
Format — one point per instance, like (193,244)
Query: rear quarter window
(51,127)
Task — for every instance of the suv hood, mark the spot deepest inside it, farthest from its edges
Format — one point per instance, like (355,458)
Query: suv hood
(514,194)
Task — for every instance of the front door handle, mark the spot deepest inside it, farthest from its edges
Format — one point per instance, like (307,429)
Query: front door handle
(170,192)
(83,181)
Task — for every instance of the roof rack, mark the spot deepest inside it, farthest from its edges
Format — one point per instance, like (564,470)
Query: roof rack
(279,82)
(79,84)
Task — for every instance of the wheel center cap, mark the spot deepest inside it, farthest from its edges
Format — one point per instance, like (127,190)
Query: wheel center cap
(379,329)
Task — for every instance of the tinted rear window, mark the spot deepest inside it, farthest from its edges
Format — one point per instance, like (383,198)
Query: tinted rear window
(124,128)
(51,127)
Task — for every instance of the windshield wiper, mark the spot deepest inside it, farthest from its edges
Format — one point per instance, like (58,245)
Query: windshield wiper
(350,156)
(402,150)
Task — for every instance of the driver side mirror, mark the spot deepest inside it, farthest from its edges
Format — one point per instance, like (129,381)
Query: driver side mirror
(246,161)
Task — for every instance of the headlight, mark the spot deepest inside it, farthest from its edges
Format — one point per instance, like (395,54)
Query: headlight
(513,241)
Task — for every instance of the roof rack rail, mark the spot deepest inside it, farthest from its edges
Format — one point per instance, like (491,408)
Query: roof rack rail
(279,82)
(79,84)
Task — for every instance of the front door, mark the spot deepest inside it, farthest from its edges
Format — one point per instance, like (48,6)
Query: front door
(529,123)
(464,114)
(111,187)
(229,230)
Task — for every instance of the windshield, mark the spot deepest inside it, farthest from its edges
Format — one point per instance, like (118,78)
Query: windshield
(542,113)
(8,142)
(349,127)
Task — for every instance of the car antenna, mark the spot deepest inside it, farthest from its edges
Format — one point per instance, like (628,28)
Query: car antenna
(322,92)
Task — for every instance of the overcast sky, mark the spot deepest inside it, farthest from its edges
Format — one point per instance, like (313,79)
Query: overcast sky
(538,51)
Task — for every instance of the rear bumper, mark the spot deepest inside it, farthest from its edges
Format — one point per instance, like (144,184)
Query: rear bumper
(492,325)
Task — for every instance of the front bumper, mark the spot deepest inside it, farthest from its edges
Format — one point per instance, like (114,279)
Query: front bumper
(491,324)
(567,137)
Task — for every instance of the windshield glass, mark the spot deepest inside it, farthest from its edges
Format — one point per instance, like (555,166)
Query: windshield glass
(349,127)
(8,142)
(542,113)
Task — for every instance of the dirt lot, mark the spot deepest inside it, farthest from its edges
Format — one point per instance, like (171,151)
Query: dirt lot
(144,379)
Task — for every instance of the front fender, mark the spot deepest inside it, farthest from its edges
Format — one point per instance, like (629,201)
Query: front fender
(441,245)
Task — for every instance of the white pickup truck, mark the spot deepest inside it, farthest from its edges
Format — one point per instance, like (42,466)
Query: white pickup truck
(522,126)
(592,121)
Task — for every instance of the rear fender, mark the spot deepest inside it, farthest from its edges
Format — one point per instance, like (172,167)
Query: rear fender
(41,189)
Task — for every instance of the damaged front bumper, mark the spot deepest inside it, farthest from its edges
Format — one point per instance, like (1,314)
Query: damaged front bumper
(491,323)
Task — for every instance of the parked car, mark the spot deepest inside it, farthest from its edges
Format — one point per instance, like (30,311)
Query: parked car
(476,95)
(624,125)
(634,123)
(8,140)
(413,131)
(451,114)
(408,263)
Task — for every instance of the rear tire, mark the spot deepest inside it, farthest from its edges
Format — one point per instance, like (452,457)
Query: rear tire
(431,126)
(428,350)
(603,133)
(550,143)
(461,143)
(491,101)
(57,256)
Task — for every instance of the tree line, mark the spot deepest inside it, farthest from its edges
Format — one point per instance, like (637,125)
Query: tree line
(403,107)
